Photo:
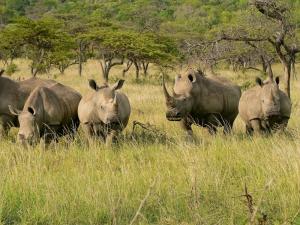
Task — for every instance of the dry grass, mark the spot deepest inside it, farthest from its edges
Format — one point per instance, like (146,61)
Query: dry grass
(193,183)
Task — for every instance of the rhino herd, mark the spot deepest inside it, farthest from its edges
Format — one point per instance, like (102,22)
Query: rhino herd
(46,109)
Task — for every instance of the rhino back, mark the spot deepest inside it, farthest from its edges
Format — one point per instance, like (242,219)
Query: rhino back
(9,95)
(29,84)
(69,97)
(217,97)
(250,105)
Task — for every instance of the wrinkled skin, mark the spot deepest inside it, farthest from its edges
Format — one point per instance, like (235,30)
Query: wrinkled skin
(208,102)
(104,112)
(15,94)
(49,112)
(265,107)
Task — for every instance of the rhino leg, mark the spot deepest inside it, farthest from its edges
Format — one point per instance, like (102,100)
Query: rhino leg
(282,126)
(5,123)
(3,130)
(212,121)
(212,130)
(111,137)
(228,127)
(249,129)
(187,127)
(284,123)
(256,126)
(88,130)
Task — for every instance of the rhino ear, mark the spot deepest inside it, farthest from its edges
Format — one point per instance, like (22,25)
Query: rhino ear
(31,110)
(93,84)
(118,85)
(258,81)
(277,80)
(14,111)
(1,72)
(192,78)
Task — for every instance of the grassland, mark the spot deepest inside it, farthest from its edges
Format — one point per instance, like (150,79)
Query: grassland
(162,180)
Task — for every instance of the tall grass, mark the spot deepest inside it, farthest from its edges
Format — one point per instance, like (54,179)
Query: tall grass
(164,180)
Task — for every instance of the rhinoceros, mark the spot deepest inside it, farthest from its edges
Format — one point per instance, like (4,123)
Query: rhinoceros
(204,101)
(15,94)
(48,112)
(105,111)
(265,107)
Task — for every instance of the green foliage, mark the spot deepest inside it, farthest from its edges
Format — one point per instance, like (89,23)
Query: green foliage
(142,30)
(43,40)
(11,69)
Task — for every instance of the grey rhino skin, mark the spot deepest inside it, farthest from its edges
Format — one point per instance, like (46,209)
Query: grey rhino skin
(265,107)
(104,112)
(48,112)
(15,94)
(197,99)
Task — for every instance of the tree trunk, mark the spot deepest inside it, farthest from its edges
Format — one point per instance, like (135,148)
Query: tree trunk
(137,70)
(80,68)
(287,79)
(264,64)
(128,65)
(105,69)
(34,71)
(106,64)
(80,58)
(145,66)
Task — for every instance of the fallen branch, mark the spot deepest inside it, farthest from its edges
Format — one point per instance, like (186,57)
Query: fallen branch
(253,210)
(252,220)
(147,127)
(138,212)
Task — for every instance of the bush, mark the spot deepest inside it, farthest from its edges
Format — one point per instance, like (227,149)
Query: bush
(11,69)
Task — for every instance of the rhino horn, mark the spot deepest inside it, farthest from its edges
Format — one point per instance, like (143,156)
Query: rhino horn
(167,95)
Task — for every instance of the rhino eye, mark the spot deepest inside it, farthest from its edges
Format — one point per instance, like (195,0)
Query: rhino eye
(102,107)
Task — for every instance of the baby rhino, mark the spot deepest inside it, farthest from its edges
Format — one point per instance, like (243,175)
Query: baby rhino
(104,112)
(48,112)
(265,107)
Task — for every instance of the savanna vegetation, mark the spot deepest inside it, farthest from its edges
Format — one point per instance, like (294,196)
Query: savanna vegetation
(152,175)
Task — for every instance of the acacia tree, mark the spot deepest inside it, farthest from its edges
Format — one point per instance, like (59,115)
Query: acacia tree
(43,40)
(277,30)
(149,48)
(113,47)
(63,54)
(109,47)
(78,26)
(11,45)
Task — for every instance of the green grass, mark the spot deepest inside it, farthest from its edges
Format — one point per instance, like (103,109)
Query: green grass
(180,182)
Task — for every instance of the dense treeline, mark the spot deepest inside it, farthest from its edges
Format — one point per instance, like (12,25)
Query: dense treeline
(136,33)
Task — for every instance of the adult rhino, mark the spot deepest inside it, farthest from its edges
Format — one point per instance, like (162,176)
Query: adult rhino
(208,102)
(15,94)
(105,111)
(48,112)
(265,107)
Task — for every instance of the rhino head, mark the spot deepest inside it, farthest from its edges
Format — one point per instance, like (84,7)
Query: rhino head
(106,102)
(29,131)
(269,97)
(181,103)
